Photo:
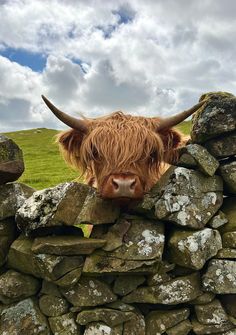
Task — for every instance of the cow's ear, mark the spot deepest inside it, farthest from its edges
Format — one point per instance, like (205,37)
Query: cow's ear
(172,139)
(69,143)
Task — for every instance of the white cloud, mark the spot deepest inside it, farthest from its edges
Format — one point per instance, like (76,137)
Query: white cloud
(158,61)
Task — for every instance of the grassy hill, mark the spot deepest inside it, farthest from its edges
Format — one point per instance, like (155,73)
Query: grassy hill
(44,167)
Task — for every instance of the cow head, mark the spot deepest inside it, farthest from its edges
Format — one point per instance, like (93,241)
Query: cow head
(122,155)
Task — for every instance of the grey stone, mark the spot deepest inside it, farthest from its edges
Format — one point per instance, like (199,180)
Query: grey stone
(115,235)
(50,288)
(215,117)
(211,313)
(204,298)
(193,248)
(89,292)
(53,306)
(182,328)
(11,160)
(157,322)
(204,161)
(178,290)
(229,239)
(228,173)
(220,277)
(110,316)
(222,146)
(7,236)
(135,326)
(100,328)
(218,220)
(227,253)
(64,325)
(144,240)
(97,211)
(49,267)
(66,245)
(23,317)
(15,286)
(229,208)
(228,302)
(70,278)
(189,198)
(101,263)
(50,207)
(126,284)
(201,329)
(12,196)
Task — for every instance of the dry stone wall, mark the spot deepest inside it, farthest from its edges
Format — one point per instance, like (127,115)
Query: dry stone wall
(165,266)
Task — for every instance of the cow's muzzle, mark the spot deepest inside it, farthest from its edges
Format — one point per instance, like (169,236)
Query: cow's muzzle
(122,186)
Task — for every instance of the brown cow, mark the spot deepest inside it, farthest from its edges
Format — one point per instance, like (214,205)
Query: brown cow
(121,155)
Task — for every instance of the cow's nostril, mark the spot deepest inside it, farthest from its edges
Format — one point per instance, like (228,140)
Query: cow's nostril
(132,185)
(115,184)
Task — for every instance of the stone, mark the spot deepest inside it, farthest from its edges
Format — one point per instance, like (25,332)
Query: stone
(204,298)
(175,291)
(7,235)
(144,240)
(23,317)
(70,278)
(220,276)
(64,325)
(126,284)
(215,117)
(161,275)
(15,286)
(218,220)
(204,161)
(157,322)
(229,208)
(211,313)
(100,328)
(115,235)
(66,245)
(228,302)
(111,317)
(222,146)
(189,198)
(135,326)
(50,288)
(49,208)
(201,329)
(228,173)
(121,306)
(97,211)
(226,253)
(229,239)
(53,306)
(192,249)
(89,292)
(11,160)
(12,196)
(182,328)
(101,263)
(49,267)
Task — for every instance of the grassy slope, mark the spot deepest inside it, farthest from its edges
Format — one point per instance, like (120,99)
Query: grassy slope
(44,166)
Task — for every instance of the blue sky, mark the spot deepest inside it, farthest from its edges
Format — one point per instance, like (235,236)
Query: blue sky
(147,58)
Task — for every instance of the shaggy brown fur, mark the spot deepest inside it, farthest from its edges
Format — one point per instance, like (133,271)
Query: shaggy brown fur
(120,144)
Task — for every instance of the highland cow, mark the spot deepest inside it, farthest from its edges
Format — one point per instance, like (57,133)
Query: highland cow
(121,155)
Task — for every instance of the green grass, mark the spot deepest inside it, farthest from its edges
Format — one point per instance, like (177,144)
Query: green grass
(44,167)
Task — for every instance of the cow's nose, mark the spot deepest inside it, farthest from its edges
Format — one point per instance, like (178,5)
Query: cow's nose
(124,187)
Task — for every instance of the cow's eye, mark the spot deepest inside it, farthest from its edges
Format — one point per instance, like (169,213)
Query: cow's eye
(95,153)
(153,157)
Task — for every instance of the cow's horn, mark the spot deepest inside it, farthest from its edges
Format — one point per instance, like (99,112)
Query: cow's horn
(176,119)
(65,118)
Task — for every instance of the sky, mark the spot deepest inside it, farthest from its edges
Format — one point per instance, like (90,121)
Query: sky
(93,57)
